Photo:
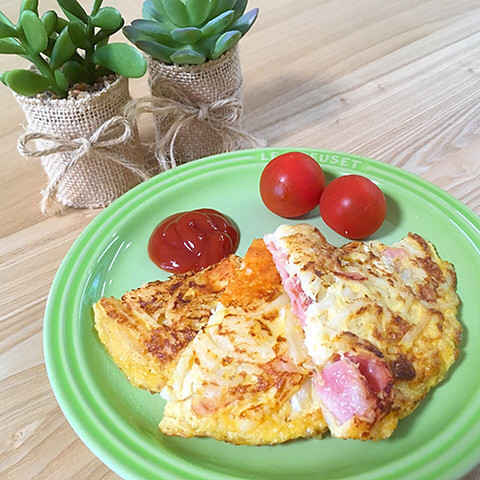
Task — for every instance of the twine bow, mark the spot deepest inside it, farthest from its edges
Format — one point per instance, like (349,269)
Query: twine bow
(114,131)
(221,115)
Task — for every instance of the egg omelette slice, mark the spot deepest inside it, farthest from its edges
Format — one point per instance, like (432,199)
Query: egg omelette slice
(380,323)
(245,378)
(146,331)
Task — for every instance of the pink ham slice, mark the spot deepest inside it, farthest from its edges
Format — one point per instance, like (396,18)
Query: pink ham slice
(392,253)
(374,370)
(350,386)
(300,301)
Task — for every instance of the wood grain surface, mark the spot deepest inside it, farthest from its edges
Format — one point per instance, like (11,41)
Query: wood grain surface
(395,81)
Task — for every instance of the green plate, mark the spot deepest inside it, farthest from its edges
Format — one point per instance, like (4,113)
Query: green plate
(440,440)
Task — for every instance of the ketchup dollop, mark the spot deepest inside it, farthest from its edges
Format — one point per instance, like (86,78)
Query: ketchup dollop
(192,240)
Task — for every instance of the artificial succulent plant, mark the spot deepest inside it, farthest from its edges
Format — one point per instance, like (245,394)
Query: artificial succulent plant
(190,31)
(66,51)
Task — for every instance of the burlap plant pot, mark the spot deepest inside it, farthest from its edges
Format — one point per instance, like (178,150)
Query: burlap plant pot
(197,109)
(90,152)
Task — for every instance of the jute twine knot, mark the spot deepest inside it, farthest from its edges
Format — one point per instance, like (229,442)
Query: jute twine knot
(114,131)
(227,110)
(221,115)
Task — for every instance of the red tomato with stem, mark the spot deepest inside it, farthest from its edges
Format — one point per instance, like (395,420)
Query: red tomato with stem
(353,206)
(291,184)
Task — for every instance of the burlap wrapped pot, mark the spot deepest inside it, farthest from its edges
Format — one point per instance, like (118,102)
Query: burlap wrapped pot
(90,152)
(197,109)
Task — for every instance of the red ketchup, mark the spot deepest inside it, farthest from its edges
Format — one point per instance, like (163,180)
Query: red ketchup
(192,240)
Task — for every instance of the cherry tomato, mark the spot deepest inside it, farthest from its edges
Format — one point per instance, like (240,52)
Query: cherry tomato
(291,184)
(353,206)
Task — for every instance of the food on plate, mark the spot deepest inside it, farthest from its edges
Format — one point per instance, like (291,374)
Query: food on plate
(191,241)
(148,329)
(298,337)
(353,206)
(379,322)
(246,377)
(291,184)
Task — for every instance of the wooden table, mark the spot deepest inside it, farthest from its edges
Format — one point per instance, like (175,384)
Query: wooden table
(395,81)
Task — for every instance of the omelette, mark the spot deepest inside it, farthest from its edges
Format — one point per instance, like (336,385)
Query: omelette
(379,323)
(146,331)
(246,377)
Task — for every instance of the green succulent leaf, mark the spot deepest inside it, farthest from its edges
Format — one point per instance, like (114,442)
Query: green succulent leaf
(11,46)
(109,18)
(188,56)
(121,58)
(218,24)
(74,72)
(30,5)
(61,80)
(244,23)
(49,20)
(63,49)
(222,6)
(34,31)
(158,6)
(102,37)
(225,42)
(149,30)
(61,24)
(4,19)
(205,45)
(187,35)
(3,79)
(26,82)
(177,12)
(73,8)
(156,50)
(49,49)
(101,42)
(7,30)
(152,27)
(213,6)
(198,11)
(133,34)
(149,12)
(239,8)
(96,6)
(78,34)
